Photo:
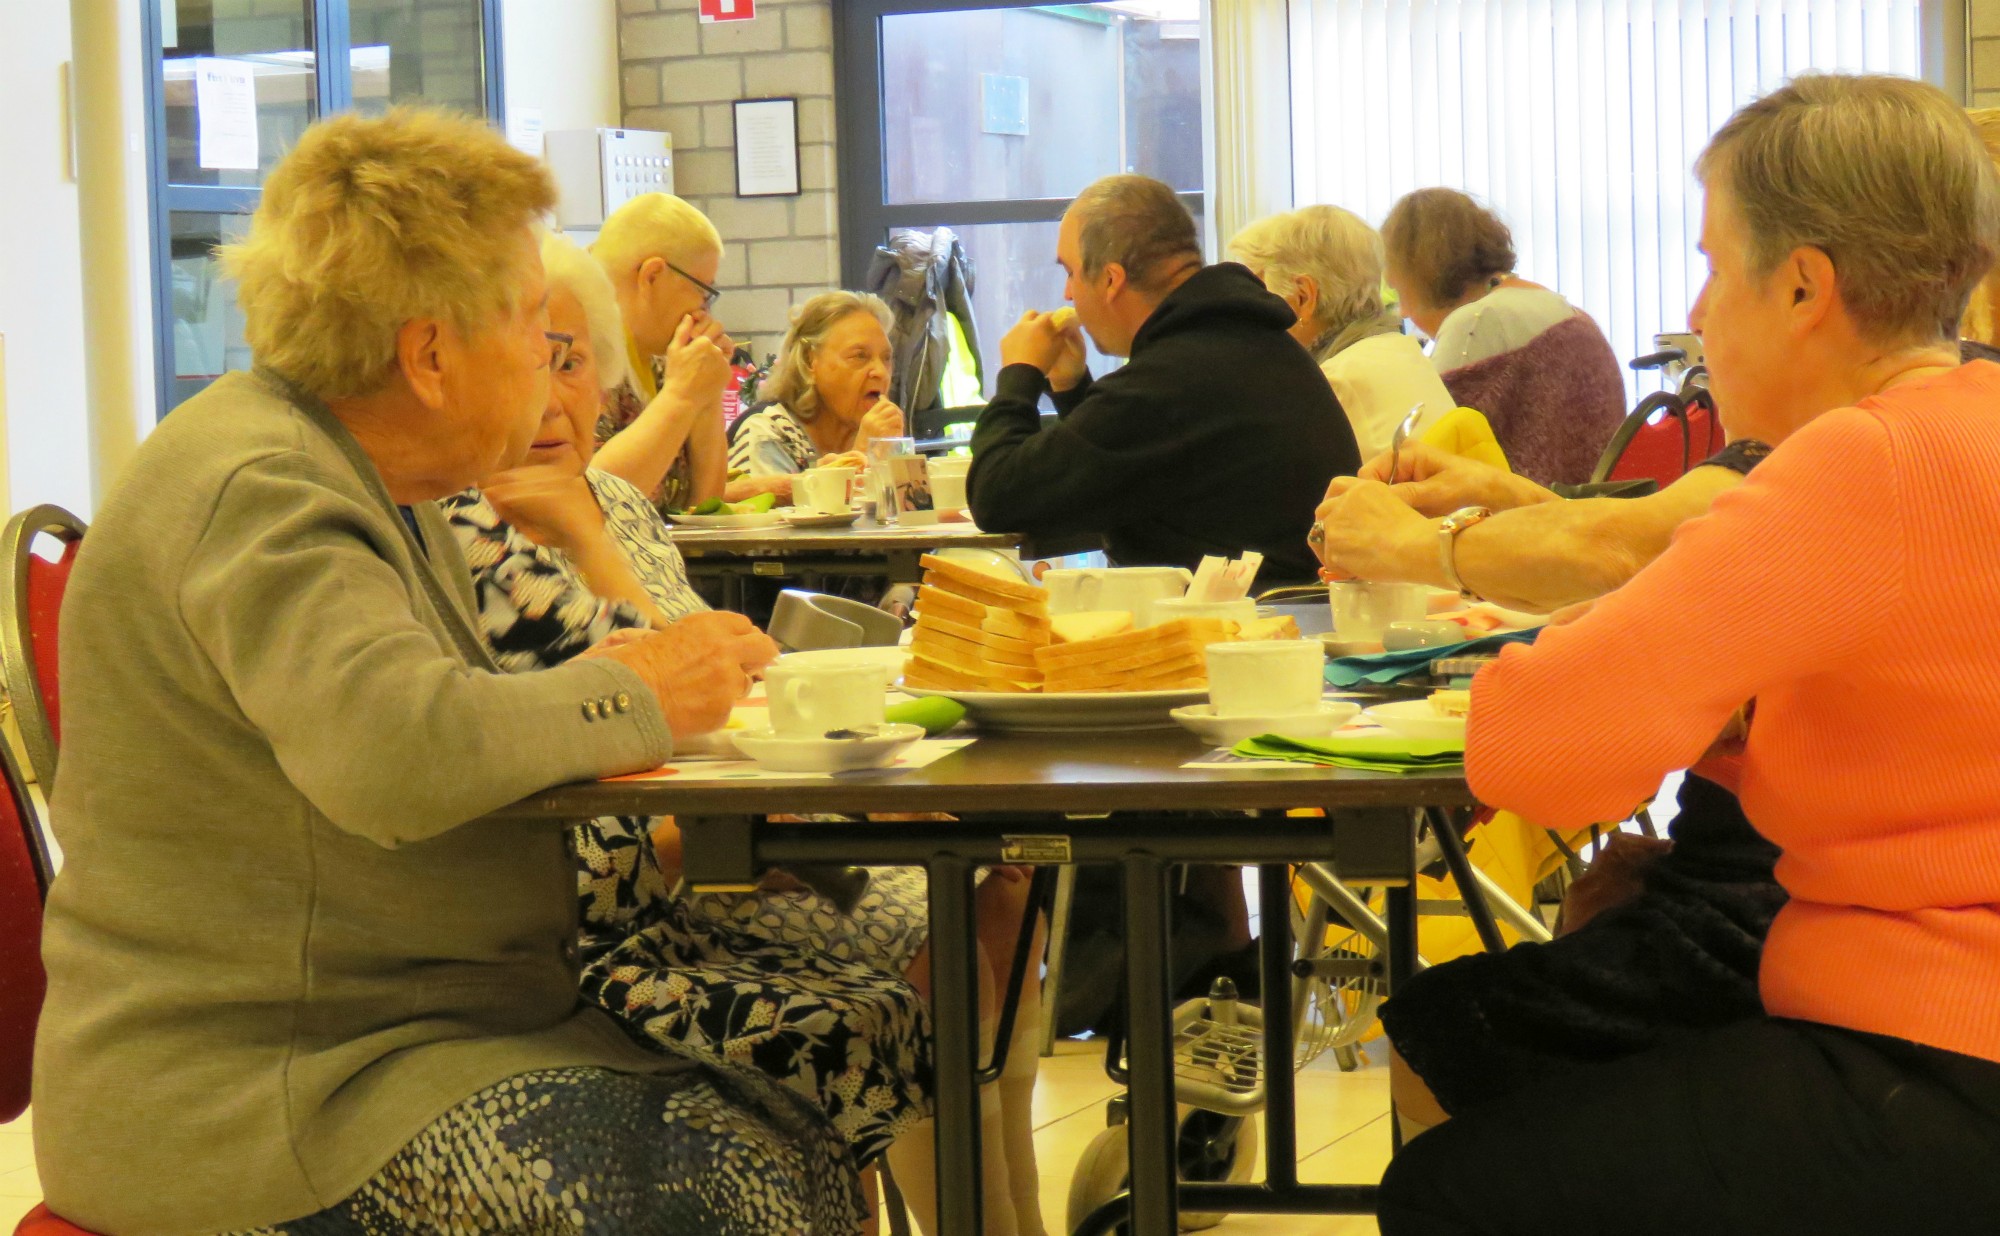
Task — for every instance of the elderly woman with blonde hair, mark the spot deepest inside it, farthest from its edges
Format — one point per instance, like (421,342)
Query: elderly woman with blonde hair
(1847,221)
(296,981)
(1326,263)
(828,392)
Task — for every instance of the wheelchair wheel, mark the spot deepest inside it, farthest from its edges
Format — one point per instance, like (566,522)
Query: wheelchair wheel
(1212,1147)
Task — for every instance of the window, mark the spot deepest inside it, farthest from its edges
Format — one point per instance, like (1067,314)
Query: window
(989,120)
(295,61)
(1577,120)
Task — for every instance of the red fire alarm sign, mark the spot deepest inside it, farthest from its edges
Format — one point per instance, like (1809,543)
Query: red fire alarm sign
(728,10)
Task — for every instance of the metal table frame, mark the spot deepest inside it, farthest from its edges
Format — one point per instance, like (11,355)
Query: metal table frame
(1369,831)
(809,557)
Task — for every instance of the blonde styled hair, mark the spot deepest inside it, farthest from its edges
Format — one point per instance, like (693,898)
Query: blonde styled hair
(653,225)
(791,384)
(371,222)
(1884,175)
(1981,322)
(569,268)
(1334,248)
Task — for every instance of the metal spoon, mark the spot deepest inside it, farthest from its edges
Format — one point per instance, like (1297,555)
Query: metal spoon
(1402,433)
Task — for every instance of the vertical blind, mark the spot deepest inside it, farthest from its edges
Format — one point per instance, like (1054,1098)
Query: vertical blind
(1578,121)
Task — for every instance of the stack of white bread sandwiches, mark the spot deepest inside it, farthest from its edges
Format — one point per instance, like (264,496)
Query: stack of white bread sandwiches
(983,632)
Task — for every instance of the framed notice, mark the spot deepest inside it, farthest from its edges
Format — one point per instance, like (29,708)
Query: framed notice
(767,147)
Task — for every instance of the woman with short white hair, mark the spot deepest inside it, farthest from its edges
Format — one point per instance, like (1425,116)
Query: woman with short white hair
(829,391)
(297,979)
(1326,263)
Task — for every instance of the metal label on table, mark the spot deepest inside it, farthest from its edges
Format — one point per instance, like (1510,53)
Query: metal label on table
(1034,849)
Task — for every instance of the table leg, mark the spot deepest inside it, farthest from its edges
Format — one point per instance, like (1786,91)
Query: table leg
(1149,1049)
(1402,915)
(955,1024)
(1281,1152)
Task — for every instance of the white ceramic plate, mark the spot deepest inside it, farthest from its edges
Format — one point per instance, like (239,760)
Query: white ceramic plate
(1070,711)
(1228,731)
(820,519)
(825,755)
(1417,719)
(759,519)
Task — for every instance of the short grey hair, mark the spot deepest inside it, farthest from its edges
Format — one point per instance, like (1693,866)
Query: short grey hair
(1334,248)
(791,384)
(568,267)
(1884,175)
(1138,224)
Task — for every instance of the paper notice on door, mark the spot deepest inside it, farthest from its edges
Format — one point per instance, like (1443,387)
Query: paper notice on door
(524,129)
(225,101)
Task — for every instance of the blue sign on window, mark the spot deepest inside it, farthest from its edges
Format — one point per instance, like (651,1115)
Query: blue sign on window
(1003,103)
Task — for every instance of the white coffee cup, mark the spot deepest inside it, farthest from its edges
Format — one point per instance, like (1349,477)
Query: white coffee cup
(1363,610)
(808,699)
(947,490)
(1074,590)
(823,489)
(1266,677)
(1166,609)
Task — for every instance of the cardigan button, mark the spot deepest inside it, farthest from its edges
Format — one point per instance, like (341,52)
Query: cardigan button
(590,710)
(623,702)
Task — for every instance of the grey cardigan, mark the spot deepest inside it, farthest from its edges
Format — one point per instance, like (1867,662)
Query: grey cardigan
(278,949)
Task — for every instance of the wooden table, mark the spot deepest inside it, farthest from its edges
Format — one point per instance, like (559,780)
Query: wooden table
(1119,798)
(809,555)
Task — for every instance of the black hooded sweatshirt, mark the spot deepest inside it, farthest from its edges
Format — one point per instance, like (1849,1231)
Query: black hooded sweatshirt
(1219,436)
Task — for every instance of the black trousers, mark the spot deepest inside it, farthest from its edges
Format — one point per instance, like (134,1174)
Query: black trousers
(1765,1128)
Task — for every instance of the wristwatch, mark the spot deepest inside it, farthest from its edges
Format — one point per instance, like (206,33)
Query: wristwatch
(1448,529)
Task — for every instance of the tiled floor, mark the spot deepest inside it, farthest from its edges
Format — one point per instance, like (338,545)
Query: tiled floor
(1343,1136)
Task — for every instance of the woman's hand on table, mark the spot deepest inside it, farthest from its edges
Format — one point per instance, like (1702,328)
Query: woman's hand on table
(841,459)
(698,667)
(1369,533)
(1437,483)
(551,506)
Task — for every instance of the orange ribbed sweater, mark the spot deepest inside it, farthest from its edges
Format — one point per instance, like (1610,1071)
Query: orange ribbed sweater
(1851,586)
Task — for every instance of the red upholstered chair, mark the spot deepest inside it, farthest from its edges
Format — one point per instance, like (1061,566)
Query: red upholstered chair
(31,593)
(25,872)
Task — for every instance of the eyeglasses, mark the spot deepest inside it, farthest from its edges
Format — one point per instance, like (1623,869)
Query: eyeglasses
(559,346)
(709,293)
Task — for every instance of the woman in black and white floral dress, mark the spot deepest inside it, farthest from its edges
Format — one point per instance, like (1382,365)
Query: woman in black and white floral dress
(562,556)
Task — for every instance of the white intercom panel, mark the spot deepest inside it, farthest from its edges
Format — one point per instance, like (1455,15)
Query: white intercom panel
(599,170)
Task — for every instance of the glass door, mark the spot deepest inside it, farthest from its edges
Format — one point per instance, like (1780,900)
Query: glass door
(233,85)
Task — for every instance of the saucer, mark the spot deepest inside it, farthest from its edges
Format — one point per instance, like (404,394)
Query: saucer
(1228,731)
(779,753)
(1417,719)
(800,518)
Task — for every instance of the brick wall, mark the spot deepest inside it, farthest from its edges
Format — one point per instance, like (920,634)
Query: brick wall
(680,75)
(1982,86)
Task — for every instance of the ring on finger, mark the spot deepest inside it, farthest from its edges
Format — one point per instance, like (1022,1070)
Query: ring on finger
(1317,536)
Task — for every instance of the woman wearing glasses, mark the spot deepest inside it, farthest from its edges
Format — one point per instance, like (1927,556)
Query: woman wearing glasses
(661,429)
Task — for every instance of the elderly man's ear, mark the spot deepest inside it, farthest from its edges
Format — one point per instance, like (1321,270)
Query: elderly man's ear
(651,271)
(420,348)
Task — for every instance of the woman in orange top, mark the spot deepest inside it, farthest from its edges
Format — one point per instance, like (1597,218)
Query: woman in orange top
(1840,588)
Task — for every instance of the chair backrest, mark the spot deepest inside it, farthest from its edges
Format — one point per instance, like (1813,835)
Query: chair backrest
(1661,440)
(31,594)
(24,883)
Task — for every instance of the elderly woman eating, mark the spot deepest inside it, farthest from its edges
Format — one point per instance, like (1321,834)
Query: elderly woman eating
(828,390)
(1326,263)
(1538,367)
(1821,603)
(806,989)
(296,982)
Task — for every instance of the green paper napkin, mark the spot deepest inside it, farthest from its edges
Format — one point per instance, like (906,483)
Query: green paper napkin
(1390,753)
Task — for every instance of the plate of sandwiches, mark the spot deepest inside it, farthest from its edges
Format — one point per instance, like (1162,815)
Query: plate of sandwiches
(989,642)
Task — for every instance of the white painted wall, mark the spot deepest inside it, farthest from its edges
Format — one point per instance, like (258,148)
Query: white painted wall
(560,57)
(45,437)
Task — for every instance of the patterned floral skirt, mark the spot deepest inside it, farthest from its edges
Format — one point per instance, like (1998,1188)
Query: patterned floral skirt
(564,1152)
(782,982)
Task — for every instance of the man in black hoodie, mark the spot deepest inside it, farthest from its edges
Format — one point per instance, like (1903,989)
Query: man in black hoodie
(1218,437)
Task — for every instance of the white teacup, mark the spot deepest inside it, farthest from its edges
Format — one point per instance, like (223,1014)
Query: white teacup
(1362,611)
(948,473)
(1240,610)
(823,489)
(810,698)
(1266,678)
(1074,590)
